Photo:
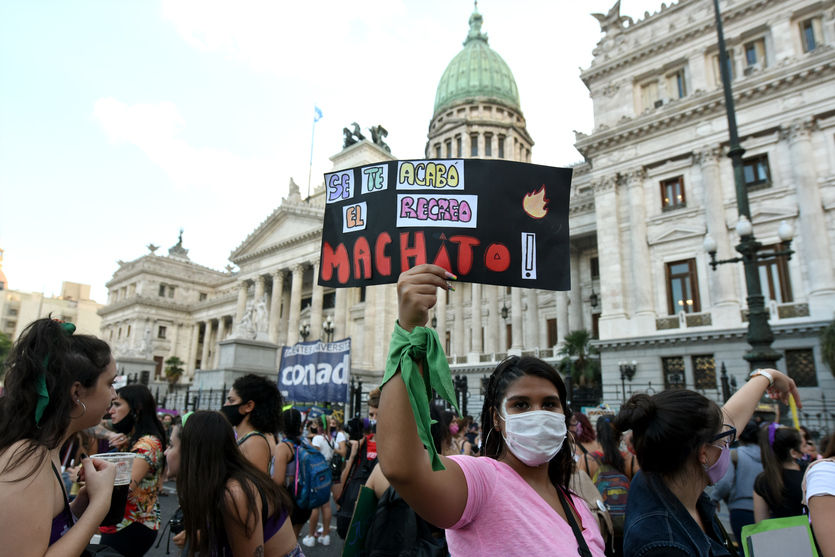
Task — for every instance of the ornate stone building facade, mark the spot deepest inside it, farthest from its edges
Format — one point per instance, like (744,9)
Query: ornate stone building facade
(656,180)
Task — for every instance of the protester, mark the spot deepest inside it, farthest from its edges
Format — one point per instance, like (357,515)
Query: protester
(362,458)
(336,439)
(777,490)
(373,404)
(809,449)
(458,430)
(612,478)
(513,501)
(285,470)
(682,442)
(172,466)
(56,385)
(737,485)
(253,407)
(230,507)
(583,442)
(134,414)
(819,495)
(321,441)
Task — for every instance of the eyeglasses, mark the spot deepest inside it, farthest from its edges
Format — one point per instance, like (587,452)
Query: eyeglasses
(729,432)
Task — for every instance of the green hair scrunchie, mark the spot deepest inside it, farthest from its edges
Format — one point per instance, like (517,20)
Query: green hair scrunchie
(40,380)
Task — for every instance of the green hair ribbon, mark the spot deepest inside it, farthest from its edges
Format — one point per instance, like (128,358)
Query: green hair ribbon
(40,380)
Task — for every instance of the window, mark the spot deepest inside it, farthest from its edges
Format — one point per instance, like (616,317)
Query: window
(128,333)
(501,146)
(800,366)
(448,145)
(162,290)
(672,194)
(552,332)
(119,335)
(774,276)
(2,285)
(362,294)
(329,300)
(717,74)
(447,341)
(203,296)
(474,145)
(595,325)
(438,151)
(488,144)
(755,172)
(158,361)
(811,34)
(673,372)
(12,312)
(508,333)
(755,55)
(458,146)
(704,372)
(649,94)
(161,332)
(682,287)
(170,291)
(676,85)
(594,264)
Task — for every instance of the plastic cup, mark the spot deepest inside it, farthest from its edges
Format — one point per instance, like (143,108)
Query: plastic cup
(121,487)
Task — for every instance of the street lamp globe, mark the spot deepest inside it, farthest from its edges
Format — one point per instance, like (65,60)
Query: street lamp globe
(710,244)
(785,232)
(744,226)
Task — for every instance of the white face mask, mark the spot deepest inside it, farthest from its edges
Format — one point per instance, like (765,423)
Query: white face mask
(534,437)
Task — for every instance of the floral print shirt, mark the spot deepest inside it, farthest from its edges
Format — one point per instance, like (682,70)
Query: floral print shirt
(143,506)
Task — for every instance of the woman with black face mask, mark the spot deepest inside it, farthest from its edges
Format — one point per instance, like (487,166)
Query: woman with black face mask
(134,414)
(253,406)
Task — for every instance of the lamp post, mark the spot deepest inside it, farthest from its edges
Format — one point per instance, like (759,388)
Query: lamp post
(594,299)
(627,371)
(760,335)
(328,328)
(304,331)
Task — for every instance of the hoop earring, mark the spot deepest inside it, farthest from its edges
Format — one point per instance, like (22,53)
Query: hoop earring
(83,410)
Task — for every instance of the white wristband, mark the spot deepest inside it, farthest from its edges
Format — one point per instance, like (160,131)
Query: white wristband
(765,374)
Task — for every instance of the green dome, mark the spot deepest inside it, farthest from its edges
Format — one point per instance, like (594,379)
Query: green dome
(477,71)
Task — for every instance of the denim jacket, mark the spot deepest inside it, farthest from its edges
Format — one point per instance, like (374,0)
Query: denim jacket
(655,518)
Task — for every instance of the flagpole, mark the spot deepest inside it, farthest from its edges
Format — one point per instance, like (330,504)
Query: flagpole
(310,171)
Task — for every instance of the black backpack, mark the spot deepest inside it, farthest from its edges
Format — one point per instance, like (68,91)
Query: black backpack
(360,471)
(396,531)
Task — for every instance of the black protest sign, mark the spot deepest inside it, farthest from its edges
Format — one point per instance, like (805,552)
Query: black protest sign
(487,221)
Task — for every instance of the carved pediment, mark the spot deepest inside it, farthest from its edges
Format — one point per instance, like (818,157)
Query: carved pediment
(771,214)
(290,221)
(677,233)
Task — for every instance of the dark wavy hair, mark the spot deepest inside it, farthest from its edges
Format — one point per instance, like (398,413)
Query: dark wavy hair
(144,409)
(587,433)
(511,369)
(293,425)
(609,439)
(668,428)
(266,416)
(209,460)
(774,456)
(81,358)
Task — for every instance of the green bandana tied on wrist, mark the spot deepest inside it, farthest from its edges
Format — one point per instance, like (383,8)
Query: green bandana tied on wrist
(40,380)
(405,351)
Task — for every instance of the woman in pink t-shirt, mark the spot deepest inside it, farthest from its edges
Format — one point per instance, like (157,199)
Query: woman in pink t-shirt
(512,501)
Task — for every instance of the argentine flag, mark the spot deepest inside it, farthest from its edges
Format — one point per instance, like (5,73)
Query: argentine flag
(317,113)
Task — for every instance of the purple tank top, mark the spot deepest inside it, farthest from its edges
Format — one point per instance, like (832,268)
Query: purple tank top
(64,521)
(271,527)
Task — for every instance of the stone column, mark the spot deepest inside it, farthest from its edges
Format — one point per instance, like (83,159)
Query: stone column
(369,321)
(243,287)
(644,316)
(458,331)
(493,318)
(260,287)
(813,239)
(191,365)
(516,319)
(285,318)
(316,307)
(340,314)
(175,332)
(725,303)
(609,252)
(207,344)
(221,332)
(532,337)
(275,305)
(575,297)
(476,344)
(295,304)
(440,315)
(562,316)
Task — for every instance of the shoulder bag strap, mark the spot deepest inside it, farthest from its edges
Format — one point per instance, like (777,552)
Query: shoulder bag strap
(582,546)
(726,540)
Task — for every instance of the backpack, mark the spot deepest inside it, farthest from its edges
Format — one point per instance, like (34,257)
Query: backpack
(396,530)
(337,460)
(360,471)
(613,485)
(312,487)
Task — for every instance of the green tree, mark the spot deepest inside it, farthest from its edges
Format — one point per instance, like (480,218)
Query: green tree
(828,347)
(578,358)
(173,369)
(5,349)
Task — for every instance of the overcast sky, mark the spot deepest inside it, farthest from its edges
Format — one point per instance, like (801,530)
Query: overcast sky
(122,121)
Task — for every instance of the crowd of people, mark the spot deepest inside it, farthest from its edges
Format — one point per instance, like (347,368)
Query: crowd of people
(529,476)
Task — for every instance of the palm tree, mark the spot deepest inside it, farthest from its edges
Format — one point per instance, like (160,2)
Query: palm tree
(577,357)
(828,347)
(173,371)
